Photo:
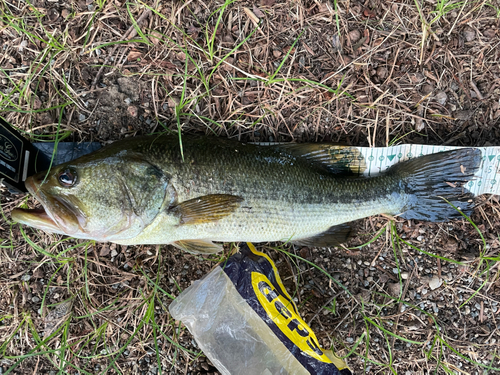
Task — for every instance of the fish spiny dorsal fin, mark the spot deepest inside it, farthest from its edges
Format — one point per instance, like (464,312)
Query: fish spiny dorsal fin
(206,208)
(198,246)
(339,159)
(333,236)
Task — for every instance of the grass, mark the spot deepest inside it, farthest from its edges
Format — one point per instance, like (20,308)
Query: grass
(211,69)
(435,342)
(140,312)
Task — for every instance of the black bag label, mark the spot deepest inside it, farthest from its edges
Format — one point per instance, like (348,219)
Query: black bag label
(257,280)
(12,153)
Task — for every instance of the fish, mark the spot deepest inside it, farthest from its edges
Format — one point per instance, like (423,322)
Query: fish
(205,191)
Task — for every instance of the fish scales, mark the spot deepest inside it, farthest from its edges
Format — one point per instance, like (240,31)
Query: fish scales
(146,191)
(285,197)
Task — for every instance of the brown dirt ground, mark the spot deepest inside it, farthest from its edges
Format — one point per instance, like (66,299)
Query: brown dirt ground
(385,75)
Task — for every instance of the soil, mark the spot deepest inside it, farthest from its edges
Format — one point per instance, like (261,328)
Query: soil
(368,75)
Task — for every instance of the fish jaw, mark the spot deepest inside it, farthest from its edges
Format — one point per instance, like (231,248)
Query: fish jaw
(37,218)
(55,215)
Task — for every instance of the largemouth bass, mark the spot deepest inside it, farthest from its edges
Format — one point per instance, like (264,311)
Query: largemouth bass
(142,191)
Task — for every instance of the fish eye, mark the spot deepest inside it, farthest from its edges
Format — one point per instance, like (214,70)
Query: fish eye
(67,177)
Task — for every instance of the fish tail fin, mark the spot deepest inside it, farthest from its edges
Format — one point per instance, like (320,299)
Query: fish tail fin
(434,181)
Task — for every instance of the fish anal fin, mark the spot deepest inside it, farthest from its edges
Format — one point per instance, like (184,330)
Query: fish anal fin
(334,236)
(206,208)
(198,246)
(335,158)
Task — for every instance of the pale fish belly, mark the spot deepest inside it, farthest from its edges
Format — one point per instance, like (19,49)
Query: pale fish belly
(266,222)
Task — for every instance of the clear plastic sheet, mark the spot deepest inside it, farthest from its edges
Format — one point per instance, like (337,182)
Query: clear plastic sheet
(238,333)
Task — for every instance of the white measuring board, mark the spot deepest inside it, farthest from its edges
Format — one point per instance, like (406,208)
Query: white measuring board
(486,181)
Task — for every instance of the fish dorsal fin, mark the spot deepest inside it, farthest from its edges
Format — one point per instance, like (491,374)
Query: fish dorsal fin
(335,158)
(198,246)
(333,236)
(206,208)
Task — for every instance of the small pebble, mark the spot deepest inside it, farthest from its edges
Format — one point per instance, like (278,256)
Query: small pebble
(441,97)
(81,117)
(173,101)
(35,299)
(469,34)
(382,72)
(354,35)
(394,289)
(427,89)
(435,282)
(404,275)
(132,110)
(489,33)
(435,308)
(395,271)
(25,277)
(104,251)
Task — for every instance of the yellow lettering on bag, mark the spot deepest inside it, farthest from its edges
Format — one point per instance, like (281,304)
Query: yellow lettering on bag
(291,324)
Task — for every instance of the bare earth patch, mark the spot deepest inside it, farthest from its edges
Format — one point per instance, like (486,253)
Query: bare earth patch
(401,297)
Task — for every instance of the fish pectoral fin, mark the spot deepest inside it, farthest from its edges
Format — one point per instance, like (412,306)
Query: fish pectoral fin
(205,209)
(334,236)
(198,246)
(338,159)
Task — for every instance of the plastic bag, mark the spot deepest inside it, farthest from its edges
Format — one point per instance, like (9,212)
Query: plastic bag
(246,323)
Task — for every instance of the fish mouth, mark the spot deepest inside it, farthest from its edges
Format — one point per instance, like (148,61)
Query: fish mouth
(55,216)
(37,218)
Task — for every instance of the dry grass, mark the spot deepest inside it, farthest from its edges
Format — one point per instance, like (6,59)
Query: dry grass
(363,73)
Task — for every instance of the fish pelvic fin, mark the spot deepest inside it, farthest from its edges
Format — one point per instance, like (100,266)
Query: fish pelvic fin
(333,236)
(432,182)
(198,246)
(206,208)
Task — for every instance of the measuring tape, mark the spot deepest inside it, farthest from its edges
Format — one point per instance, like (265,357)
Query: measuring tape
(486,180)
